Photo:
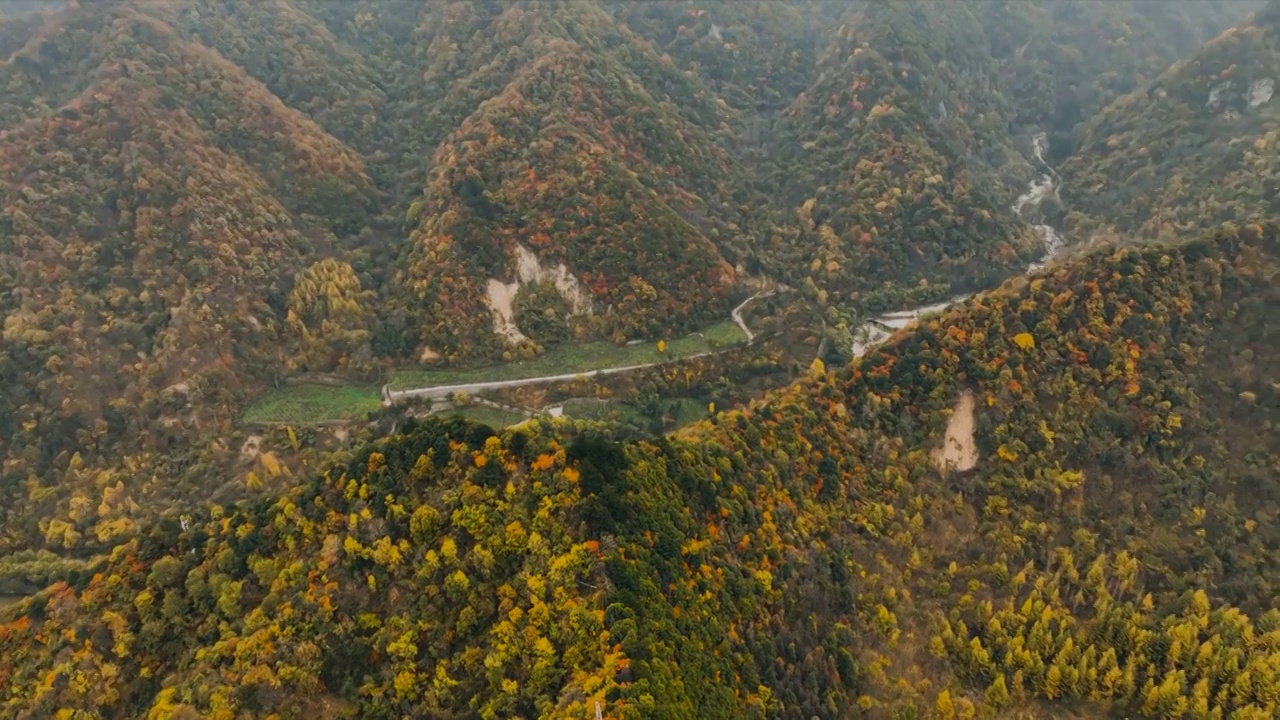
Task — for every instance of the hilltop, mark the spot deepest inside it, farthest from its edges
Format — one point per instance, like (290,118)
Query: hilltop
(594,160)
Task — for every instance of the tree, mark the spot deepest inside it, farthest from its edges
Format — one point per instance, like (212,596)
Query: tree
(327,311)
(997,695)
(946,710)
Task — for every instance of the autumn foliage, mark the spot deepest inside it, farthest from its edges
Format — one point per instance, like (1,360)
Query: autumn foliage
(793,558)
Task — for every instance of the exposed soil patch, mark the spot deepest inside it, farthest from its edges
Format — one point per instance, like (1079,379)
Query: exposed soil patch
(252,448)
(959,450)
(529,269)
(501,296)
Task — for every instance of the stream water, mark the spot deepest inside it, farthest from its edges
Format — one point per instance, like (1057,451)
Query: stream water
(1027,206)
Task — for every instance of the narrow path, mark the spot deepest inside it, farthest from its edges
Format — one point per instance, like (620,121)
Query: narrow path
(737,314)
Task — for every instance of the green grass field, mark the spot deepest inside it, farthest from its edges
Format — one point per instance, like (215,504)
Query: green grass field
(577,358)
(495,418)
(603,410)
(310,404)
(686,410)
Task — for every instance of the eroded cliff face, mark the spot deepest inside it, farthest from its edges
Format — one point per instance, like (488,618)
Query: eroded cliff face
(530,269)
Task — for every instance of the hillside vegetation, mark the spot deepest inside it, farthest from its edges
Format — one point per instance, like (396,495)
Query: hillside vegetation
(156,209)
(1197,146)
(903,157)
(1112,550)
(586,157)
(201,199)
(224,224)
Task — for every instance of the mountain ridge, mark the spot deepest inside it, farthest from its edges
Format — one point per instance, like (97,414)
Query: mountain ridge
(193,216)
(1213,112)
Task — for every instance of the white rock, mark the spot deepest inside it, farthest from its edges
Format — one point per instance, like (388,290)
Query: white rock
(1260,91)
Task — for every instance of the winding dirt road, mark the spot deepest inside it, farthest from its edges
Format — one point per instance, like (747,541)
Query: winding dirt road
(736,314)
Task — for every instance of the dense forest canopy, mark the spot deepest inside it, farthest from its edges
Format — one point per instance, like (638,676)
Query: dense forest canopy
(1114,546)
(1056,497)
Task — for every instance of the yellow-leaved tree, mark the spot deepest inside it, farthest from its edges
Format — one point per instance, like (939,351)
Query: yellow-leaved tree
(328,314)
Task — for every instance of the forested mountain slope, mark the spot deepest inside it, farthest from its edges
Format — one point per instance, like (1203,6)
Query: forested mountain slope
(1062,62)
(907,151)
(156,205)
(1111,550)
(200,199)
(175,235)
(1195,148)
(890,151)
(757,55)
(520,116)
(593,155)
(287,48)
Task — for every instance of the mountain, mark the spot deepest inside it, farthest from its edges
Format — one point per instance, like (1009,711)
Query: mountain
(1100,537)
(905,155)
(203,200)
(1054,499)
(888,150)
(592,156)
(157,203)
(756,55)
(1192,149)
(1063,62)
(291,52)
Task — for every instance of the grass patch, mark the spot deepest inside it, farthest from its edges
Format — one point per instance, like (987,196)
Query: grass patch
(683,410)
(583,357)
(686,410)
(496,418)
(604,411)
(309,404)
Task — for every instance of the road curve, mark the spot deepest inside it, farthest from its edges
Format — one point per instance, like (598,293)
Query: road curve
(736,314)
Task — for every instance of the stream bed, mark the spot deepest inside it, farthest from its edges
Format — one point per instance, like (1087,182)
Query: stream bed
(879,328)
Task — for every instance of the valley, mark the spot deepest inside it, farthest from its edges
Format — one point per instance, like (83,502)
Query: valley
(575,365)
(562,359)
